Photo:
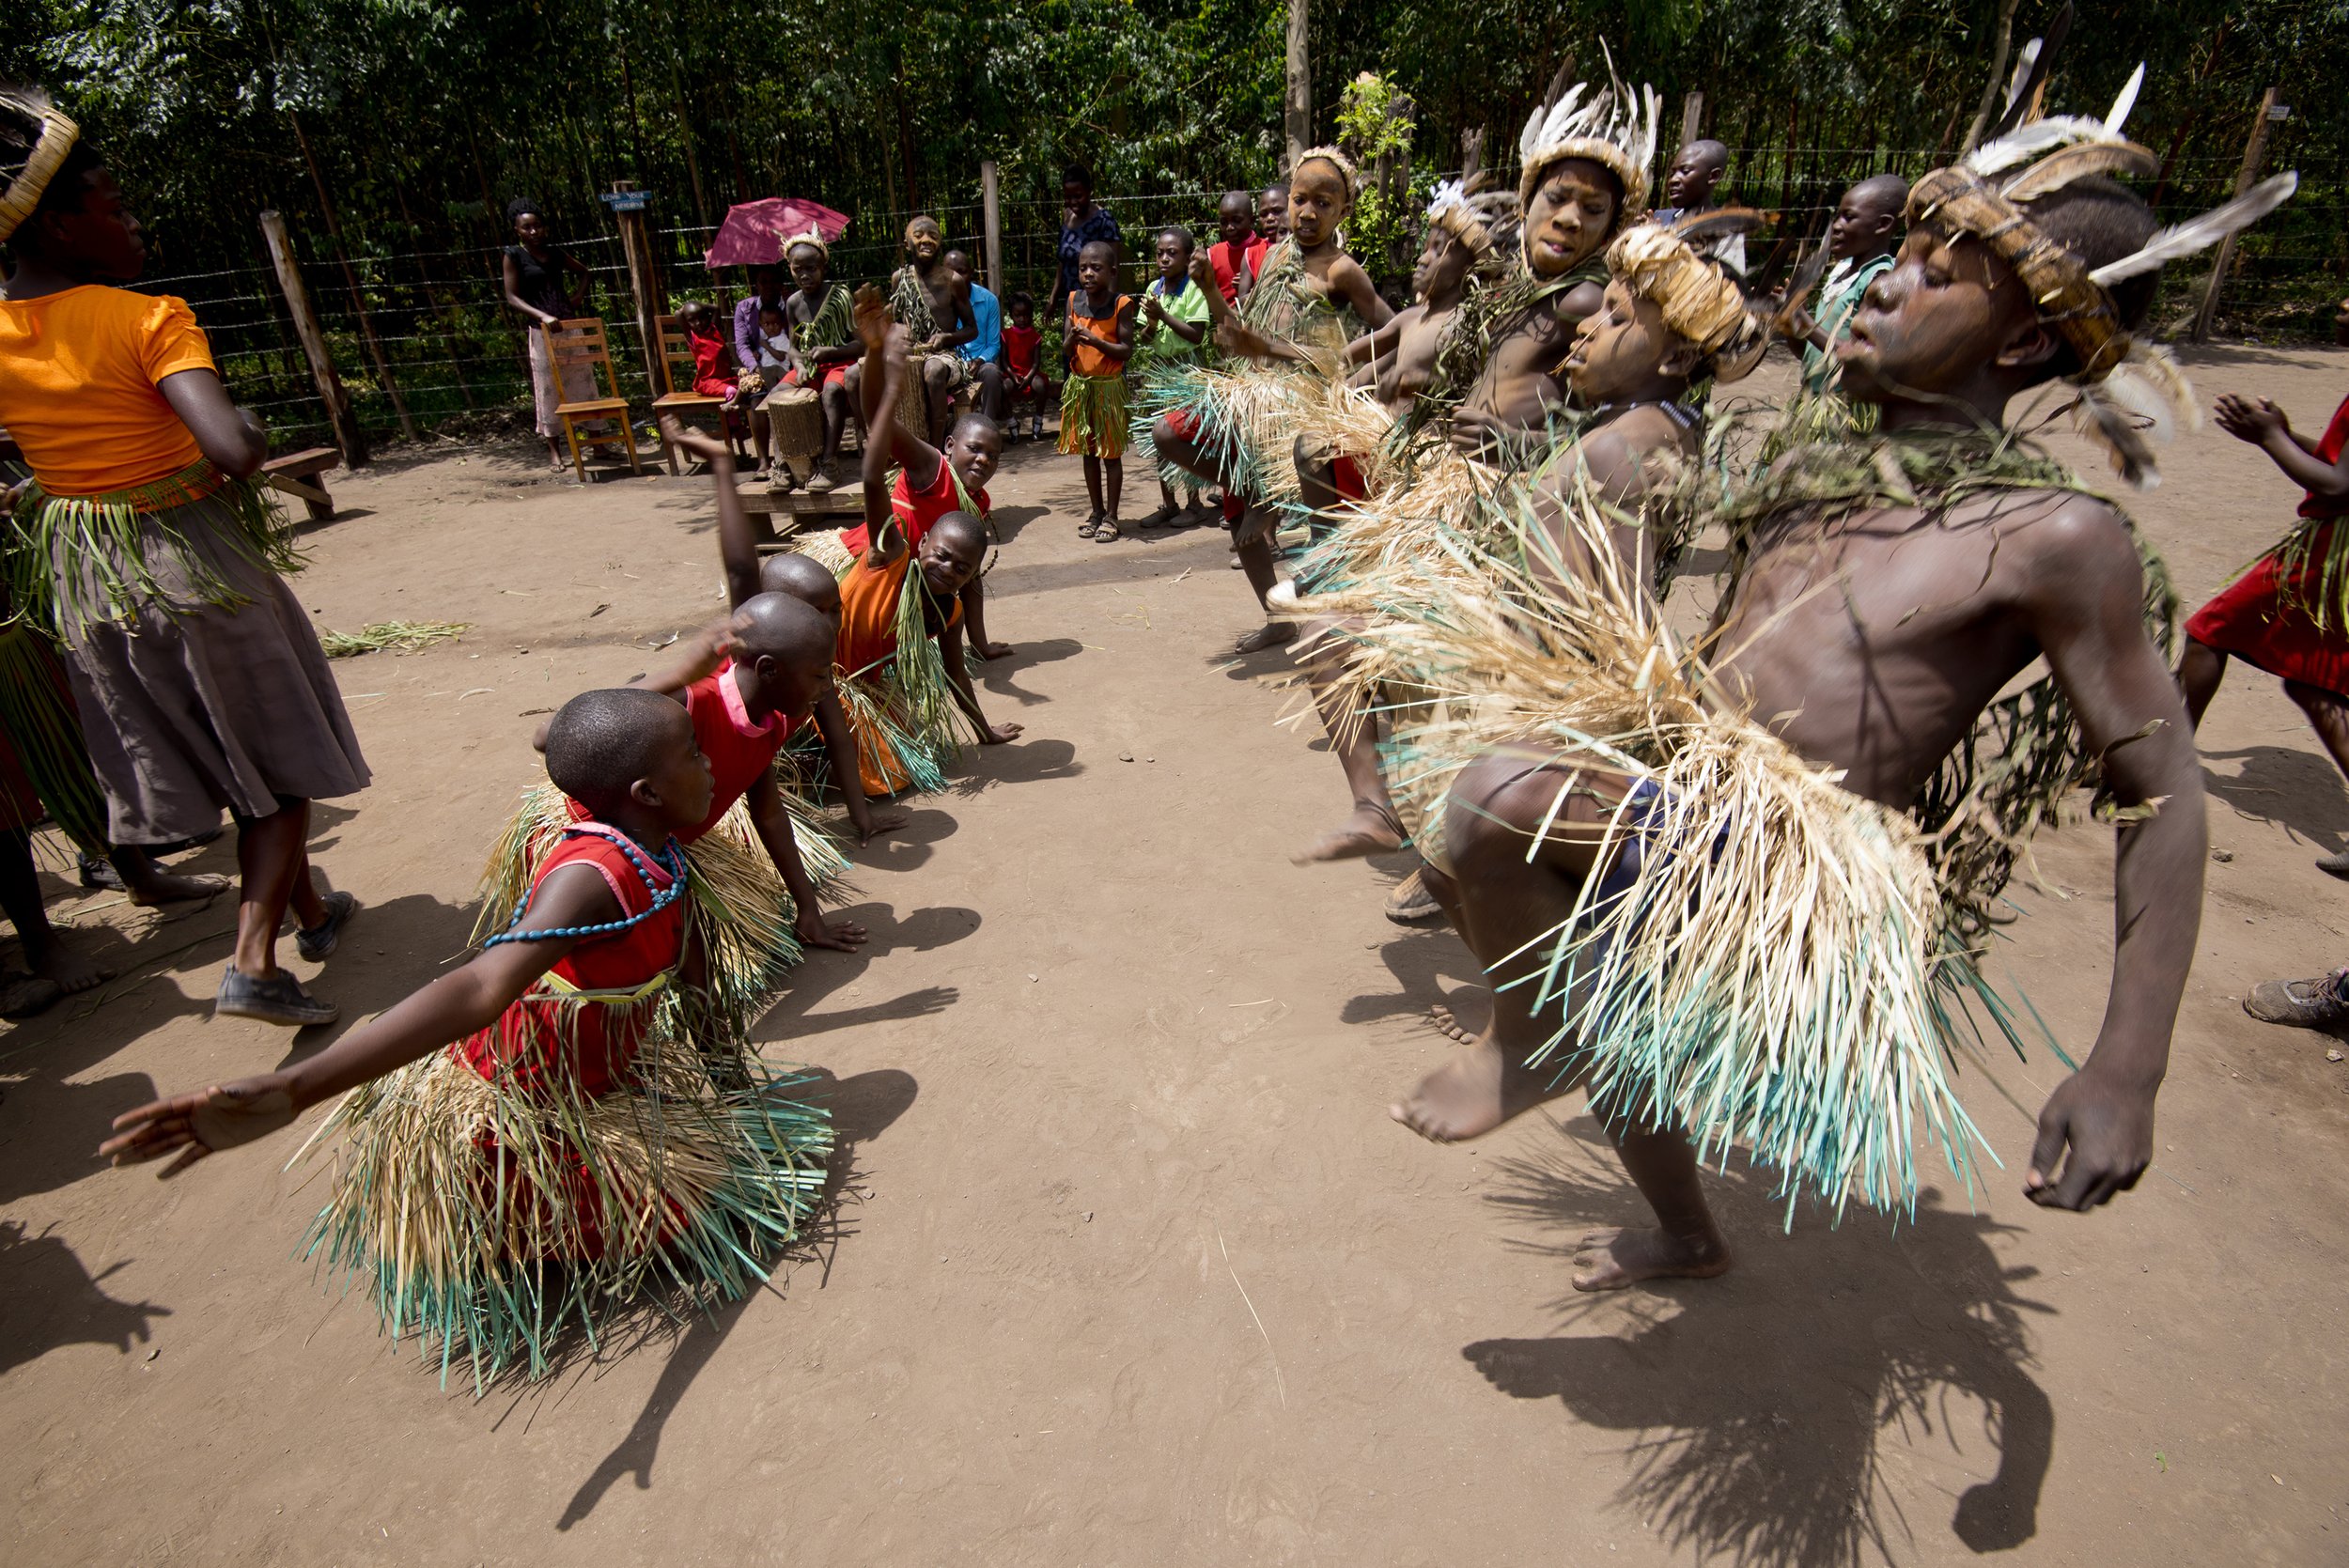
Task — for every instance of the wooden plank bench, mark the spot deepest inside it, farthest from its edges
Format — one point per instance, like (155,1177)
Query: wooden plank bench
(297,475)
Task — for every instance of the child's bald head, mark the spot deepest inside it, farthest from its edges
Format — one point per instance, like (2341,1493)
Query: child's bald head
(1867,219)
(803,578)
(783,629)
(603,743)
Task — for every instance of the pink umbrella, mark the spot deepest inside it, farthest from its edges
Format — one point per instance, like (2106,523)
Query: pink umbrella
(754,232)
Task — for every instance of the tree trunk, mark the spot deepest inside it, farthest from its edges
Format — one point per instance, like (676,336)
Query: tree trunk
(1996,84)
(1297,105)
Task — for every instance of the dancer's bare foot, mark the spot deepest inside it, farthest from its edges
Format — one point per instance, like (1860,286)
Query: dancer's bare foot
(1371,830)
(1273,634)
(1473,1093)
(1612,1259)
(70,972)
(1452,1026)
(167,887)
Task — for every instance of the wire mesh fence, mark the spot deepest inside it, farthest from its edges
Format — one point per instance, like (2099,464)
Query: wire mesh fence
(457,355)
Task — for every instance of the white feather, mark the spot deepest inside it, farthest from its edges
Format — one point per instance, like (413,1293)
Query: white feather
(2037,139)
(2197,234)
(2023,62)
(2127,101)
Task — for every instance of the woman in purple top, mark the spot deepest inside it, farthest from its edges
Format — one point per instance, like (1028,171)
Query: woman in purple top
(766,293)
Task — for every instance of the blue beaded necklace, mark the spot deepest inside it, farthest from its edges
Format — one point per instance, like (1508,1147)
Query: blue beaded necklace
(670,858)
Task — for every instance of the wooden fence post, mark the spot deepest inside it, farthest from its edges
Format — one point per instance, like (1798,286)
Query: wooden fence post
(348,438)
(991,207)
(2254,152)
(1691,117)
(1297,102)
(628,210)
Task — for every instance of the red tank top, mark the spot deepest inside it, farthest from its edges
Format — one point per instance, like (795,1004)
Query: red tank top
(739,751)
(2329,450)
(545,1036)
(916,510)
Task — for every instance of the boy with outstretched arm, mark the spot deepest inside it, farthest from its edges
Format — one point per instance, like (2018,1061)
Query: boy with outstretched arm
(515,1151)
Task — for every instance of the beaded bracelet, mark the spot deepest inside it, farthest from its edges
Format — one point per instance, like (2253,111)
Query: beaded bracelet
(670,859)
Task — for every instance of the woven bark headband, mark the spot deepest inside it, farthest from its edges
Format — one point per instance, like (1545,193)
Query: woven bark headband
(25,186)
(1695,298)
(811,237)
(2067,298)
(1336,160)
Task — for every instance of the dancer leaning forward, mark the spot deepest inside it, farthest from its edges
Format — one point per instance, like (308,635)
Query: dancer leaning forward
(1739,893)
(524,1145)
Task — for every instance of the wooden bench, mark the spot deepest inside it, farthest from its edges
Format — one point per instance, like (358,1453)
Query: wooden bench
(296,473)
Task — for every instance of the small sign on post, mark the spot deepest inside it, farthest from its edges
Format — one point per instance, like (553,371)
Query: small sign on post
(628,210)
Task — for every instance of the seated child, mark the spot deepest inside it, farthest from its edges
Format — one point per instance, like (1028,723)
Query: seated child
(1024,380)
(504,1168)
(1096,340)
(1174,322)
(770,369)
(715,371)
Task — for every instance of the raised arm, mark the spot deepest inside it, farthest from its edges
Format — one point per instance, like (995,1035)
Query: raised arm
(737,541)
(451,1008)
(884,377)
(2260,422)
(227,435)
(2084,606)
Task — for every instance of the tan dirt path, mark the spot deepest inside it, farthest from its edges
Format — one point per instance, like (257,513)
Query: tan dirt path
(1133,1269)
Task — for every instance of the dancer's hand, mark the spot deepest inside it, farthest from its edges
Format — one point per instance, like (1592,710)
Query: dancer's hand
(873,320)
(842,936)
(2108,1125)
(682,435)
(10,495)
(2255,420)
(204,1123)
(878,822)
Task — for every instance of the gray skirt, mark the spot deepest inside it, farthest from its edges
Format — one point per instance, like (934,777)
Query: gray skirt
(190,708)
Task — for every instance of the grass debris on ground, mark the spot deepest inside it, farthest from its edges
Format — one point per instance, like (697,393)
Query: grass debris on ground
(400,636)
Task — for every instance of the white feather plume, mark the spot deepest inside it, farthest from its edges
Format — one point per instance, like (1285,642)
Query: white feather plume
(2200,233)
(2035,140)
(1549,122)
(2023,62)
(2127,101)
(1449,193)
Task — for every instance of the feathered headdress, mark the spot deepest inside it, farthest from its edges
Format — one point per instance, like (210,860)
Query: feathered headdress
(54,137)
(2127,388)
(1470,213)
(1610,128)
(813,237)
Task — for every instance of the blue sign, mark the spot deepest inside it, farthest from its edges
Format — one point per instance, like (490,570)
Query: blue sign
(627,201)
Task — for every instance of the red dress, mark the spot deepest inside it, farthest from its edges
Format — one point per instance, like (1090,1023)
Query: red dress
(916,510)
(709,365)
(740,751)
(1021,346)
(546,1038)
(2262,616)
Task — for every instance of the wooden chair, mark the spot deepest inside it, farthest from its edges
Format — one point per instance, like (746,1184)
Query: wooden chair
(581,343)
(676,365)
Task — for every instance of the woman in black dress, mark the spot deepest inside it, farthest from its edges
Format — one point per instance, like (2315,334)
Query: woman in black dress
(546,284)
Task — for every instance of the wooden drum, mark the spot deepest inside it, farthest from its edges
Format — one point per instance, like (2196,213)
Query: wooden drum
(795,414)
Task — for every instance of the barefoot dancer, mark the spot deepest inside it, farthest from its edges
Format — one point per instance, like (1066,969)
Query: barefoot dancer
(146,547)
(2288,613)
(529,1142)
(1646,906)
(1235,427)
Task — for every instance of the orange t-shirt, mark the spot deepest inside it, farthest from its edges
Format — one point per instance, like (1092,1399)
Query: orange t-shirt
(1083,358)
(78,374)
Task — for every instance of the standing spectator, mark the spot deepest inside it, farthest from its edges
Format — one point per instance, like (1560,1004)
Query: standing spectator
(766,293)
(985,350)
(1688,186)
(199,680)
(1173,324)
(1272,214)
(546,284)
(1238,256)
(1865,233)
(1082,222)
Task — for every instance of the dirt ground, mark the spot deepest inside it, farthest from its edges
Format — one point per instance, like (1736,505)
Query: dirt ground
(1130,1267)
